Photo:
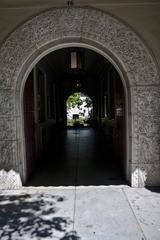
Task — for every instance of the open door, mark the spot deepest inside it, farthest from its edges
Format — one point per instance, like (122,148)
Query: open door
(29,123)
(120,124)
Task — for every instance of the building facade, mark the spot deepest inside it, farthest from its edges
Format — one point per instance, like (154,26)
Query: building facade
(125,33)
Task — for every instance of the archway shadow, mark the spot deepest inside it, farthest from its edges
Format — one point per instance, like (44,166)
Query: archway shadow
(155,189)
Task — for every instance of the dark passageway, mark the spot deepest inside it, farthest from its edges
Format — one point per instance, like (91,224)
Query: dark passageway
(82,156)
(58,154)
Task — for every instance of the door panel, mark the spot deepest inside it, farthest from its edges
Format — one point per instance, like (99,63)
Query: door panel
(120,123)
(29,123)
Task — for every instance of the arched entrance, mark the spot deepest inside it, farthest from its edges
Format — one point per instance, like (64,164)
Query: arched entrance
(78,140)
(111,38)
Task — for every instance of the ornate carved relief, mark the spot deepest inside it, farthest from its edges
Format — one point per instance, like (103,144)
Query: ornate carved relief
(7,129)
(7,103)
(135,175)
(152,174)
(145,174)
(77,22)
(146,124)
(146,100)
(8,154)
(149,149)
(10,180)
(87,25)
(147,138)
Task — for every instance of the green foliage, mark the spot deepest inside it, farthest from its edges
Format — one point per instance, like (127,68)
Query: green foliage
(74,100)
(84,105)
(77,122)
(88,102)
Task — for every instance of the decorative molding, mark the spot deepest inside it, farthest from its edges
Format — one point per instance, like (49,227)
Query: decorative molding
(149,149)
(9,180)
(7,103)
(152,174)
(145,175)
(7,129)
(49,4)
(81,23)
(148,100)
(8,154)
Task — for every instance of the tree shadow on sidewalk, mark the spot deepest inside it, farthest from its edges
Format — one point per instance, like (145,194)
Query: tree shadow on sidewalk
(34,216)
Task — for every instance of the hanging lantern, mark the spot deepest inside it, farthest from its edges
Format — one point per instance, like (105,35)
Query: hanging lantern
(78,84)
(75,60)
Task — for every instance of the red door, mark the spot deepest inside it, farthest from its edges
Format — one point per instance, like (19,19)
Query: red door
(120,123)
(29,123)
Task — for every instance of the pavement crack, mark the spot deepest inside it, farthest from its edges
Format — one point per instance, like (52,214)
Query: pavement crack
(138,224)
(76,175)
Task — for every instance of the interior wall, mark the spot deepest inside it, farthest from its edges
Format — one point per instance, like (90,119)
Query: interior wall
(112,113)
(43,110)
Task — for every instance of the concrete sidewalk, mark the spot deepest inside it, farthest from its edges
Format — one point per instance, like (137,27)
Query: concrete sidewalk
(80,213)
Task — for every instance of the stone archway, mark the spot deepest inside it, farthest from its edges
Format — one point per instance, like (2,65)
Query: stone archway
(113,39)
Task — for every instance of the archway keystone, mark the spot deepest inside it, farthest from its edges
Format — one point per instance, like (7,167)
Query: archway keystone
(104,32)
